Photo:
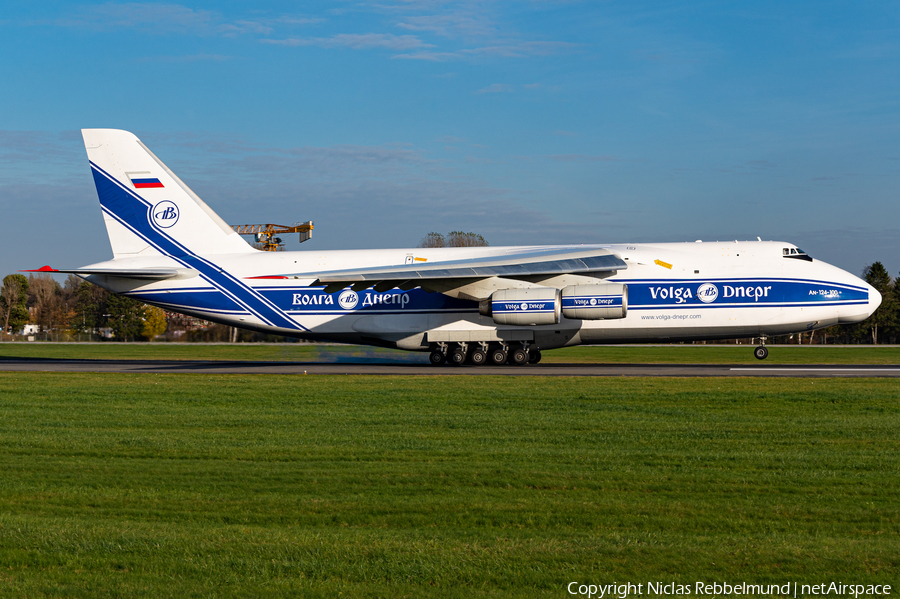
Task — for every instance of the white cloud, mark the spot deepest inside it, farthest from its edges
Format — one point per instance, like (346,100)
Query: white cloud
(299,20)
(175,18)
(483,26)
(39,155)
(356,41)
(187,58)
(451,25)
(583,158)
(432,56)
(523,49)
(496,88)
(470,21)
(239,27)
(164,18)
(451,139)
(386,195)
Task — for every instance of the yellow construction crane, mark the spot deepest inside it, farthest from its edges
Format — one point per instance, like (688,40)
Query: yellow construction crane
(264,235)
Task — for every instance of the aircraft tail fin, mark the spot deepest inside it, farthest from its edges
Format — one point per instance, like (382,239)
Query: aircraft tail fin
(147,209)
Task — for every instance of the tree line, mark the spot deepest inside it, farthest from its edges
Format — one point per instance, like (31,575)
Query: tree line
(884,325)
(80,311)
(77,309)
(453,239)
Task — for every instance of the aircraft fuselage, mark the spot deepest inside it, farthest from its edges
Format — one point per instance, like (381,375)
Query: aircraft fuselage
(676,292)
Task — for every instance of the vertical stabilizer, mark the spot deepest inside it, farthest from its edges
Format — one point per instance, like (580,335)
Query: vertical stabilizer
(148,210)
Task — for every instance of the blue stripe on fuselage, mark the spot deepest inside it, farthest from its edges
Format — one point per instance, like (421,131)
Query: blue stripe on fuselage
(133,212)
(309,301)
(741,293)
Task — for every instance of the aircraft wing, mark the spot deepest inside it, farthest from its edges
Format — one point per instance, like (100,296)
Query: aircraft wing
(132,273)
(550,261)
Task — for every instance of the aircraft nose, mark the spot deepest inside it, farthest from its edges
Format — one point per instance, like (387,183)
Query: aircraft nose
(858,312)
(874,299)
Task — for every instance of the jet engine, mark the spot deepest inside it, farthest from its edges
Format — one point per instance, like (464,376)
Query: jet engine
(544,305)
(595,302)
(529,307)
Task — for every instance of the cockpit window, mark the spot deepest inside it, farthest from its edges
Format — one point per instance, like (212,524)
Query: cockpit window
(796,253)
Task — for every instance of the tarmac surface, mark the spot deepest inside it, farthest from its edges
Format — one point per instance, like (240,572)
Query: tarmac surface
(376,367)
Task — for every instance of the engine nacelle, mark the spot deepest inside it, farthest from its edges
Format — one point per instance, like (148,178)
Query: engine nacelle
(528,307)
(595,302)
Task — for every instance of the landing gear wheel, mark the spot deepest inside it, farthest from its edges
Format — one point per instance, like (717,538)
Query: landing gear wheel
(498,356)
(761,352)
(437,358)
(534,356)
(519,356)
(457,357)
(478,357)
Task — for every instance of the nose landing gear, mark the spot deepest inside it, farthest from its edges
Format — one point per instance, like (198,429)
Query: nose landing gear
(761,352)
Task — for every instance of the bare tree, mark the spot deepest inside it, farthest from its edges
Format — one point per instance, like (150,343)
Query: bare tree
(460,239)
(454,239)
(433,240)
(44,291)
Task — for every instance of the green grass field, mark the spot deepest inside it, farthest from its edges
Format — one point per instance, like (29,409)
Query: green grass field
(296,352)
(290,486)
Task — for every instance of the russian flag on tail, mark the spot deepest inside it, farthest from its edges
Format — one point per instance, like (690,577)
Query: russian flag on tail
(144,181)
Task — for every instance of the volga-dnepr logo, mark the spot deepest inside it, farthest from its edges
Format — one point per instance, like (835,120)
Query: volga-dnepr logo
(348,299)
(707,293)
(165,214)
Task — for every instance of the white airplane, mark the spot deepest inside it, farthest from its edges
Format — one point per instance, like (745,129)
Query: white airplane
(475,305)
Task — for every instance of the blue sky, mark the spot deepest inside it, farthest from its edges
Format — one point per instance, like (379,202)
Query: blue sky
(526,121)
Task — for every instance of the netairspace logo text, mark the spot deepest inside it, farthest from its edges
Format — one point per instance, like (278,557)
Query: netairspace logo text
(624,590)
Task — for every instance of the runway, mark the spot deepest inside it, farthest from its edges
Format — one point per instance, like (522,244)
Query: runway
(376,367)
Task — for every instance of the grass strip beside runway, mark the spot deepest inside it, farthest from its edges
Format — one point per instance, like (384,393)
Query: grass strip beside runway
(301,352)
(196,485)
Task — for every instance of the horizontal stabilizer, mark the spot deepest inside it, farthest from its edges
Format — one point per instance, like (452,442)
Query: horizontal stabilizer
(127,273)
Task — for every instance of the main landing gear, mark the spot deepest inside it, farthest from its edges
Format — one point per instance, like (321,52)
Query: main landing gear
(479,353)
(761,352)
(498,356)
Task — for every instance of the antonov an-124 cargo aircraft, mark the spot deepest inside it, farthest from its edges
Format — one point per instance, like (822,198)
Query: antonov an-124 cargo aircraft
(462,305)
